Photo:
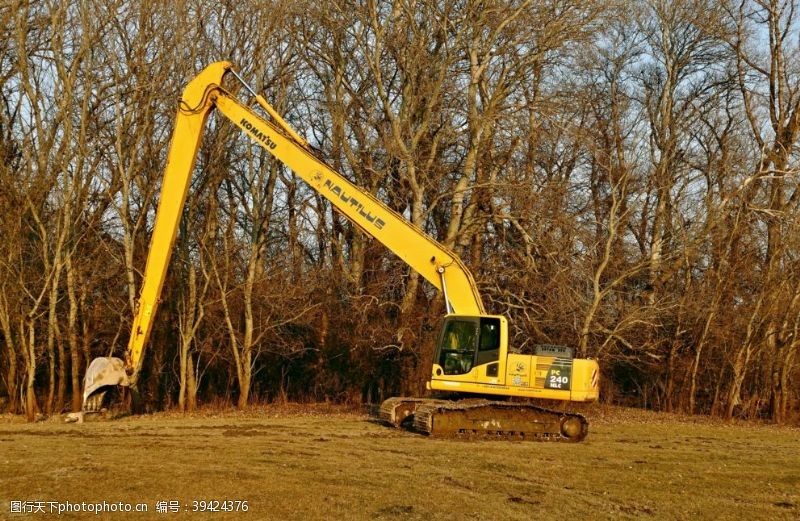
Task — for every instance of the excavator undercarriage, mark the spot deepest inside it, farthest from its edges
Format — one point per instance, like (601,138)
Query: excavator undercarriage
(484,419)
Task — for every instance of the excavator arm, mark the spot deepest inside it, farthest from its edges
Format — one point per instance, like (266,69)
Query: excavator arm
(429,258)
(433,261)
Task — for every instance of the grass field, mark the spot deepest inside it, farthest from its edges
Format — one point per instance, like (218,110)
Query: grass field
(317,463)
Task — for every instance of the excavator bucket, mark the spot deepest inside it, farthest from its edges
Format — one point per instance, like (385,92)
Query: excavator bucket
(101,375)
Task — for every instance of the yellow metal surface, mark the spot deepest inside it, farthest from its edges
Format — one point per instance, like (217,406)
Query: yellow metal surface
(525,376)
(193,110)
(412,245)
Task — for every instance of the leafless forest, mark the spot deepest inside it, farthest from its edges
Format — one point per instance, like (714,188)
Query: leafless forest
(621,176)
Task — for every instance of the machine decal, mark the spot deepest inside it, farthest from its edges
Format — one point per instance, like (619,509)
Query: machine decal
(519,376)
(553,373)
(352,201)
(258,134)
(559,376)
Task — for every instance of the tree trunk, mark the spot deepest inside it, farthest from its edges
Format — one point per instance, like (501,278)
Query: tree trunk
(191,385)
(31,405)
(72,335)
(53,332)
(11,350)
(739,372)
(85,341)
(182,385)
(412,287)
(62,374)
(696,364)
(245,377)
(187,329)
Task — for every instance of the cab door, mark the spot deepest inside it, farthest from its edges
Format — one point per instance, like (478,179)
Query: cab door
(487,355)
(457,346)
(470,350)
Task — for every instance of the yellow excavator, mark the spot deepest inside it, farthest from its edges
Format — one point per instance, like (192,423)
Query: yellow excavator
(472,357)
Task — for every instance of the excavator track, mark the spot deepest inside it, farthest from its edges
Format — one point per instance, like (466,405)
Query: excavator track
(499,420)
(399,411)
(483,419)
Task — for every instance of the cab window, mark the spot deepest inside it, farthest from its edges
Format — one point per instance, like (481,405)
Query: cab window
(489,345)
(457,346)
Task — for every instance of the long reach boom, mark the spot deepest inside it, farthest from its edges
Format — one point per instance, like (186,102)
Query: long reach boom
(432,260)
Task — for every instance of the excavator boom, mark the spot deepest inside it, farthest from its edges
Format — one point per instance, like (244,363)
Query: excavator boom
(203,94)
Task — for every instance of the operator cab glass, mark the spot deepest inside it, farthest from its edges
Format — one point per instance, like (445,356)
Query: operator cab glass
(467,342)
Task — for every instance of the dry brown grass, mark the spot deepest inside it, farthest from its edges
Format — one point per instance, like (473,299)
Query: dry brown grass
(323,462)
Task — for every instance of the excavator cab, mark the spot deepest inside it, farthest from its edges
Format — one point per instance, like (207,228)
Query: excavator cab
(472,356)
(466,342)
